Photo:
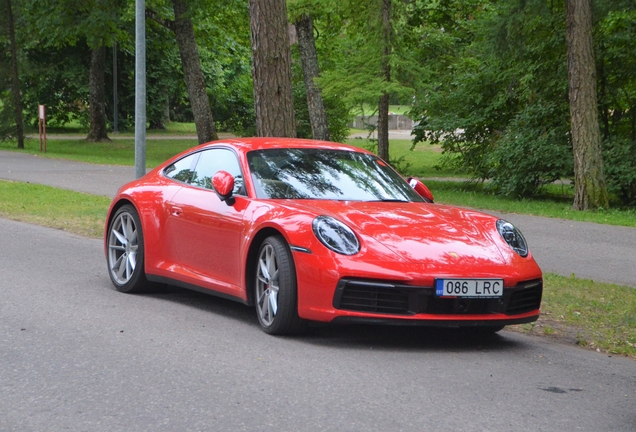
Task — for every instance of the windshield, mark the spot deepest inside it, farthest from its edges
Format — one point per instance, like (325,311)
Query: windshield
(326,174)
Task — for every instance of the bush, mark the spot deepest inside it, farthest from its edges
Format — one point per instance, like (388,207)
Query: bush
(534,151)
(619,159)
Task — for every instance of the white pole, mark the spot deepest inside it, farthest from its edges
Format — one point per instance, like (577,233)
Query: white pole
(140,88)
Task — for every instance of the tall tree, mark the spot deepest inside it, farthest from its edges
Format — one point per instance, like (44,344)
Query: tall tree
(15,81)
(97,96)
(195,81)
(590,191)
(271,69)
(383,104)
(309,59)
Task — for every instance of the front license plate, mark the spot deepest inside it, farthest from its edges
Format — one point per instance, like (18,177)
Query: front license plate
(482,288)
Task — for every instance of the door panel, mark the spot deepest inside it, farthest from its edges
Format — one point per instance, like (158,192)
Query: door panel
(204,232)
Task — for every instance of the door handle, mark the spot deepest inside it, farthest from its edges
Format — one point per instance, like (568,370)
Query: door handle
(176,211)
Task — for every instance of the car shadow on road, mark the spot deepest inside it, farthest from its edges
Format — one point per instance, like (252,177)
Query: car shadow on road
(408,338)
(205,302)
(348,336)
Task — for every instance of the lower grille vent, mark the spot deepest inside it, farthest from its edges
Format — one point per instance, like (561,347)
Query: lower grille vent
(400,299)
(525,300)
(374,299)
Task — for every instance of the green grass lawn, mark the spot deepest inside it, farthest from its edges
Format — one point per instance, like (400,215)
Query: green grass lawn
(75,212)
(591,314)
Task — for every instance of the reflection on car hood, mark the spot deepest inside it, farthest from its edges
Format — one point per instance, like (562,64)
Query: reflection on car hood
(419,231)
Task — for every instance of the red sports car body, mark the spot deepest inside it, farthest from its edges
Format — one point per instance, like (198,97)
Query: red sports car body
(317,231)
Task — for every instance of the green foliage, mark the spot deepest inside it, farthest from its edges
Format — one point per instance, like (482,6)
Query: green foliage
(225,49)
(620,159)
(532,152)
(8,129)
(502,113)
(355,38)
(497,98)
(486,80)
(66,22)
(57,78)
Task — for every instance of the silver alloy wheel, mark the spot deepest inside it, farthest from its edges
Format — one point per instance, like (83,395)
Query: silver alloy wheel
(122,248)
(267,286)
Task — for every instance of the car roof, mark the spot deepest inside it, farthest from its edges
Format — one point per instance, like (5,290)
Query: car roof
(248,144)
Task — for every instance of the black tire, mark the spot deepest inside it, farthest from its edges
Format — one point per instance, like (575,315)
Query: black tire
(275,289)
(125,251)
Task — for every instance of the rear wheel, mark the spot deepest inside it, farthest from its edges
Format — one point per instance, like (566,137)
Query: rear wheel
(125,255)
(276,295)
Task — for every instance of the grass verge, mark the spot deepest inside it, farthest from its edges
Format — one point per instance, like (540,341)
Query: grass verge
(590,314)
(75,212)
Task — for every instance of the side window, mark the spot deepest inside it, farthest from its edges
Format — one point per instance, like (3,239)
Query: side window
(213,160)
(182,169)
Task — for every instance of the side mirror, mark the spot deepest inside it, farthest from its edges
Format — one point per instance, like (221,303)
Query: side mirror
(421,189)
(223,183)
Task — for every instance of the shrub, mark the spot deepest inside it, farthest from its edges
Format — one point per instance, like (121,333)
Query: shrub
(619,158)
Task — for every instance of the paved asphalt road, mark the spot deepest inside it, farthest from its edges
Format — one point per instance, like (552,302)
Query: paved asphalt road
(77,355)
(593,251)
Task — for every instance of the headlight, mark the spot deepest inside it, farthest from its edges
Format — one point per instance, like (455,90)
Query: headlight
(335,235)
(513,237)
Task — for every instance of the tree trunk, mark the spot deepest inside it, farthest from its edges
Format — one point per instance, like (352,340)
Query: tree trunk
(97,96)
(271,69)
(383,104)
(15,84)
(590,191)
(195,82)
(309,60)
(605,111)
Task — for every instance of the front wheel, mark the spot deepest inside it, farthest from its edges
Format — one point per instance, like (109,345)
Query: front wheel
(125,254)
(275,289)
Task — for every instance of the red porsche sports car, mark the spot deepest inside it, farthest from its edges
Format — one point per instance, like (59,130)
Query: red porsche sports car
(317,231)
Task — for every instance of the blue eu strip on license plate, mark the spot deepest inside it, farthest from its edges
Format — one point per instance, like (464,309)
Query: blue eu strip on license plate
(481,288)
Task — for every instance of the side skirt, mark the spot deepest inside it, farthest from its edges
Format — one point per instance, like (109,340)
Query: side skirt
(180,284)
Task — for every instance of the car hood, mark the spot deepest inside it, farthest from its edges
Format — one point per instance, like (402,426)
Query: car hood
(419,232)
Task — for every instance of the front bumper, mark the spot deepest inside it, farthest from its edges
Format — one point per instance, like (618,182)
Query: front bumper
(342,289)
